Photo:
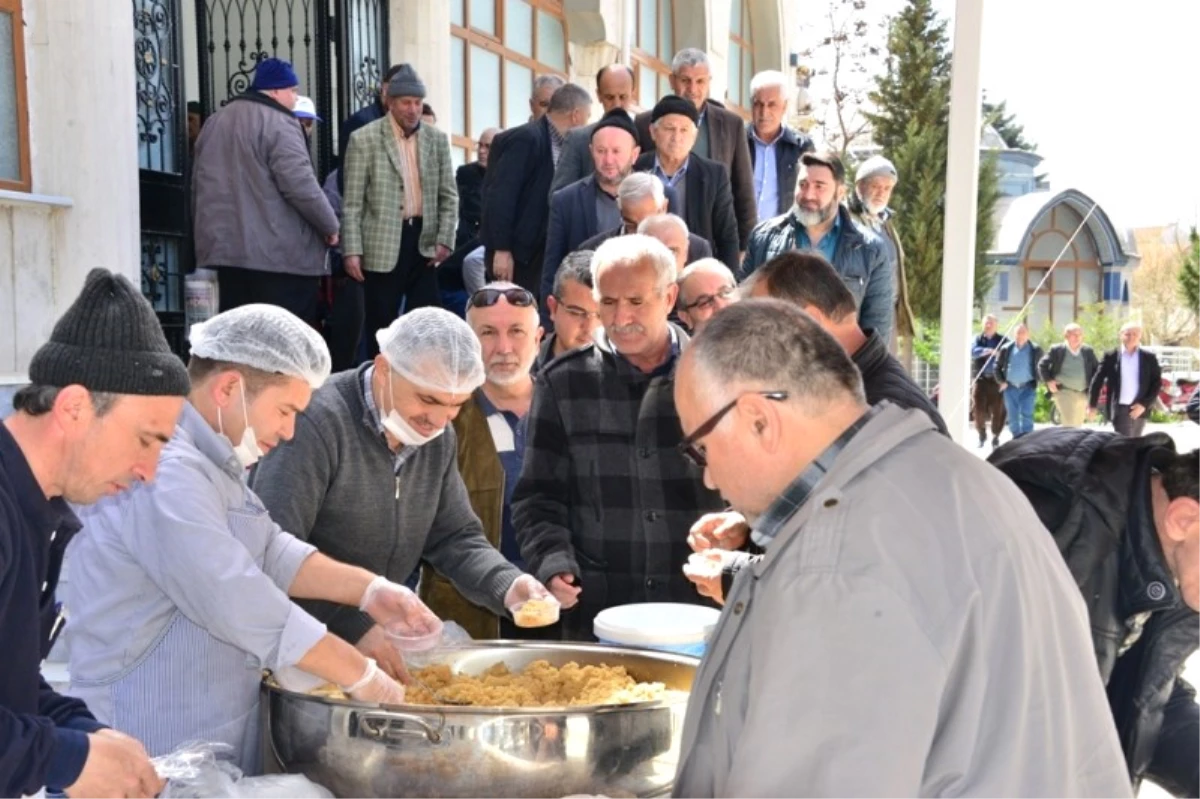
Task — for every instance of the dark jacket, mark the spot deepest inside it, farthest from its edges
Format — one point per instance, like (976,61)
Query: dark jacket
(884,378)
(43,736)
(1109,374)
(483,476)
(884,226)
(256,200)
(1051,363)
(1091,490)
(573,221)
(360,118)
(1006,349)
(575,161)
(708,206)
(727,146)
(604,493)
(469,179)
(983,364)
(788,148)
(697,247)
(860,258)
(516,195)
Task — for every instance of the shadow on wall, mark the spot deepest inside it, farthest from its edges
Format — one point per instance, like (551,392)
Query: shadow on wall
(6,398)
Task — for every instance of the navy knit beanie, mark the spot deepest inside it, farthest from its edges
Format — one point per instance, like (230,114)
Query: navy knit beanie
(274,73)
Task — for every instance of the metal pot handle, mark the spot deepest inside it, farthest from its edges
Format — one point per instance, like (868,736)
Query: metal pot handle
(379,725)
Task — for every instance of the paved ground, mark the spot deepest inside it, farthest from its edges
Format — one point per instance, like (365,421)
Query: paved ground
(1187,438)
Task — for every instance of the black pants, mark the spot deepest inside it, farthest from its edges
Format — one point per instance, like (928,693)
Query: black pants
(413,280)
(344,321)
(526,274)
(1126,425)
(295,293)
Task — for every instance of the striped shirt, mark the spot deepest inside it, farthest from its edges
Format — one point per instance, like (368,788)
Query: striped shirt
(410,172)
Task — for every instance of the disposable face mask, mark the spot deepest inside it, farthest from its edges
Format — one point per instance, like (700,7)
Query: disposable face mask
(395,424)
(247,452)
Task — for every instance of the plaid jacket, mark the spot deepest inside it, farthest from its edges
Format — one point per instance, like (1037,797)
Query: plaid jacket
(604,494)
(374,195)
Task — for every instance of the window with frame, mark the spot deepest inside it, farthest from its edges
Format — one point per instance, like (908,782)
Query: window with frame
(654,47)
(497,49)
(14,102)
(741,58)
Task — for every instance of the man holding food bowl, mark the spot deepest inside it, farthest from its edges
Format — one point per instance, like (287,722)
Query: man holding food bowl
(181,590)
(371,477)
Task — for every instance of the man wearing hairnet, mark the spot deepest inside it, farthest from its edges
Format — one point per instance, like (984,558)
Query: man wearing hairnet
(371,476)
(179,590)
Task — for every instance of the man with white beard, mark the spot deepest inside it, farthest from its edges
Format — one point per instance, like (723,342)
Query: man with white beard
(819,222)
(491,445)
(874,183)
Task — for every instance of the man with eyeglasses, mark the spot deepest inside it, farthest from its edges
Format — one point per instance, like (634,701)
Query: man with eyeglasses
(909,597)
(605,500)
(705,287)
(572,309)
(491,444)
(370,476)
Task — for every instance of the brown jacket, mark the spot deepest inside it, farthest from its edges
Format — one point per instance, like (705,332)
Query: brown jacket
(483,476)
(727,145)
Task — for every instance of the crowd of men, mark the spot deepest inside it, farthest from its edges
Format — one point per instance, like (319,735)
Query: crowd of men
(632,422)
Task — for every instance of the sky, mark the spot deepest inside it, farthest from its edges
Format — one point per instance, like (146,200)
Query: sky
(1110,93)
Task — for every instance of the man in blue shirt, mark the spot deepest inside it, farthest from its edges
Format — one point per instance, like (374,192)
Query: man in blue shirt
(1016,371)
(775,148)
(491,445)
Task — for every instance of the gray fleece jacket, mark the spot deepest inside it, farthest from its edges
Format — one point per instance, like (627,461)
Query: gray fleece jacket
(334,486)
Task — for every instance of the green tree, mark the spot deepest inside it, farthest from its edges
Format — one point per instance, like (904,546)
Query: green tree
(911,123)
(1189,273)
(996,115)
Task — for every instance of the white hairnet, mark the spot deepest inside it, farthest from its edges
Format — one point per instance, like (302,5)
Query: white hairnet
(264,337)
(434,349)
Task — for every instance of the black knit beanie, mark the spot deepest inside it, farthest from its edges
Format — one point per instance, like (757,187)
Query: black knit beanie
(110,341)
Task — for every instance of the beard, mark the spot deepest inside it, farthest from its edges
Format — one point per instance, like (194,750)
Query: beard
(812,218)
(506,372)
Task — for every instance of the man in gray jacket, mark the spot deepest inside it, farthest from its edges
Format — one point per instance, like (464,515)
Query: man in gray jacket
(261,218)
(893,641)
(371,477)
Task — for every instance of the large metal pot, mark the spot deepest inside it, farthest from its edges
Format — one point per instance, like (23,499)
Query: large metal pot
(421,751)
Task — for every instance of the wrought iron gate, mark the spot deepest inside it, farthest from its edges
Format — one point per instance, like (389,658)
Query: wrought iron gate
(337,47)
(163,161)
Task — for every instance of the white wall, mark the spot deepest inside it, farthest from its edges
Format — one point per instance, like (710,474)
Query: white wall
(82,119)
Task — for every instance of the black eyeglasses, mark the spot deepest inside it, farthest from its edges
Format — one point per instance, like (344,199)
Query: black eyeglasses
(582,314)
(705,301)
(486,298)
(695,452)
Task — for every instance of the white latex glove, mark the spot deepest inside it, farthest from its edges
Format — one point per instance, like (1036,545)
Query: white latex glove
(523,589)
(390,603)
(377,687)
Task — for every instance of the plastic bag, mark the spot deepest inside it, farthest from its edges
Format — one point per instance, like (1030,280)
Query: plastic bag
(452,635)
(200,770)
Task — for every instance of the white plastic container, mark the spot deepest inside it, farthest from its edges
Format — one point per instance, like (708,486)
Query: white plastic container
(665,626)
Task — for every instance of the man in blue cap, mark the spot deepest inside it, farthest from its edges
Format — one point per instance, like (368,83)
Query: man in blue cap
(261,218)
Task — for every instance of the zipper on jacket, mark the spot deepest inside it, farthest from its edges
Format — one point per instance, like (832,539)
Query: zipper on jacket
(397,488)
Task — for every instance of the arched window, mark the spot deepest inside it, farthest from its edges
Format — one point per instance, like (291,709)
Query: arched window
(654,47)
(1075,282)
(497,48)
(741,57)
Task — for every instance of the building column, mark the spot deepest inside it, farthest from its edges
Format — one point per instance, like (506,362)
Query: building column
(586,61)
(420,36)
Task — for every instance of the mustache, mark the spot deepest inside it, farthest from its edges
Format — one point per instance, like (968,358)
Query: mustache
(626,329)
(504,360)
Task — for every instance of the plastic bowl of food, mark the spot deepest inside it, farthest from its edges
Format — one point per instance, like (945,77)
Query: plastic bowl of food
(417,635)
(539,612)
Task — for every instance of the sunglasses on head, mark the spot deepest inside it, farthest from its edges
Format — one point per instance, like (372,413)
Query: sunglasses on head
(486,298)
